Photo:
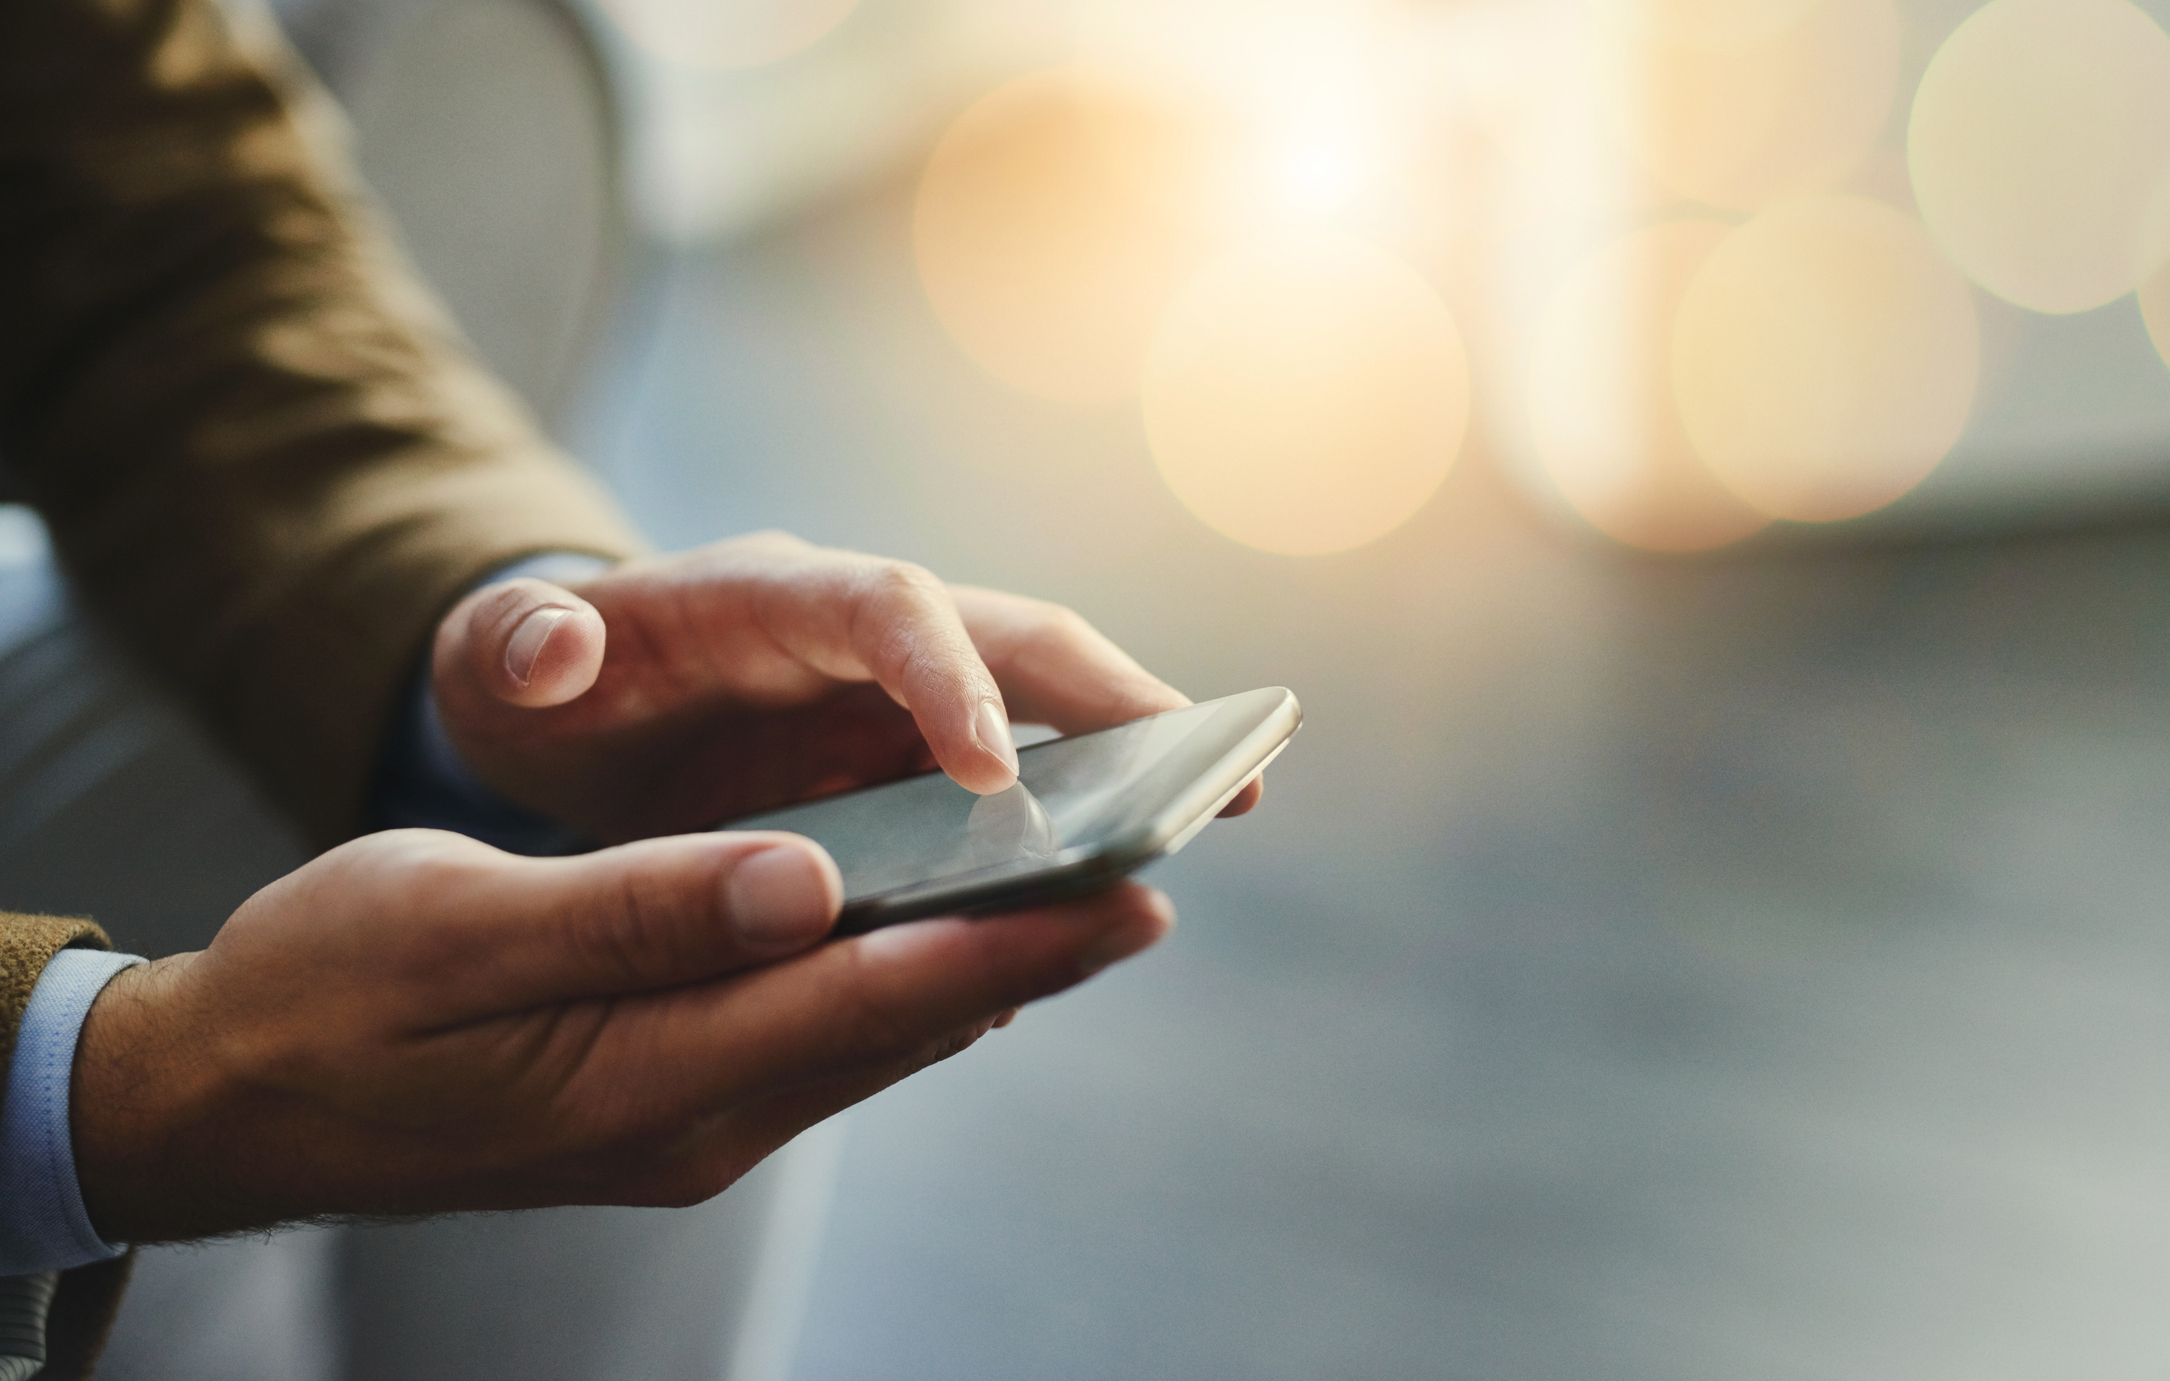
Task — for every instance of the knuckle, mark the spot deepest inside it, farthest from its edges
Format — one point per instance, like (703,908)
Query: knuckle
(771,537)
(424,859)
(1061,626)
(770,550)
(636,932)
(1060,637)
(898,621)
(411,879)
(906,583)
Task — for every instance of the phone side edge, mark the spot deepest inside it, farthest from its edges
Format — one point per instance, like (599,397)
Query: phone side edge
(1169,829)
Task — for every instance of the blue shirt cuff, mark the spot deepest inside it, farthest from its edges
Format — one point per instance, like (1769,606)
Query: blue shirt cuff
(425,784)
(43,1225)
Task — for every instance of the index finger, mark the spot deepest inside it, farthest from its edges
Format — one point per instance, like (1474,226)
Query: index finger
(859,618)
(1055,668)
(865,1002)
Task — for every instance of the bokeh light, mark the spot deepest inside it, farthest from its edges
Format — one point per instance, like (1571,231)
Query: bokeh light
(2040,150)
(1056,220)
(726,33)
(2155,311)
(1602,413)
(1306,394)
(1825,358)
(1720,23)
(1781,109)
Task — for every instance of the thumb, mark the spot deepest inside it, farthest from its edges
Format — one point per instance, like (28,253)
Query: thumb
(521,642)
(501,934)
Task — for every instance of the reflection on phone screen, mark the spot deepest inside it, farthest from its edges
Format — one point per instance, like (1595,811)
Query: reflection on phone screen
(1071,793)
(1010,825)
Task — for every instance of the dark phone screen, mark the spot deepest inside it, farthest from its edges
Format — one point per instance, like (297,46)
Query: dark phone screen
(1073,796)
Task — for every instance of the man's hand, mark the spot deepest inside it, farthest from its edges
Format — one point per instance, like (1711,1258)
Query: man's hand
(674,692)
(417,1023)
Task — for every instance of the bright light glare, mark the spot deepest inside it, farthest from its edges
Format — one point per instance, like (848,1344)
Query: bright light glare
(2040,150)
(1303,75)
(1600,389)
(726,33)
(1306,394)
(1319,174)
(1056,220)
(1792,111)
(1825,358)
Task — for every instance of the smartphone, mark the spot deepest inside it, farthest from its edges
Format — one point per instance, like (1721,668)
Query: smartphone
(1086,812)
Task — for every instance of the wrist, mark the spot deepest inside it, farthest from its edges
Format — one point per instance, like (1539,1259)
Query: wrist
(144,1100)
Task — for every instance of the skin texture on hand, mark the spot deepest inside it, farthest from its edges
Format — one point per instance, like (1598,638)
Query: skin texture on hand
(417,1023)
(674,692)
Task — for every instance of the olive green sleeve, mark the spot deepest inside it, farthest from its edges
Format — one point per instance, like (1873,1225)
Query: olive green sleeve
(268,460)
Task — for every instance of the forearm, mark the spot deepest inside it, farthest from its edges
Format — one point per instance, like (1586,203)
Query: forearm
(265,455)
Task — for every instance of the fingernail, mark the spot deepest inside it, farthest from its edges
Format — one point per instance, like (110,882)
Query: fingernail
(992,728)
(525,646)
(780,898)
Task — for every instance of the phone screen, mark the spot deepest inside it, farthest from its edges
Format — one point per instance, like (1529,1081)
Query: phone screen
(1073,796)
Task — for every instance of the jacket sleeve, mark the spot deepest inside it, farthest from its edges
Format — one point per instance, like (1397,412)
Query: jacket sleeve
(80,1309)
(268,460)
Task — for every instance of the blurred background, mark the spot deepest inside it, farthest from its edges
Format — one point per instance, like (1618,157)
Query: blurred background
(1702,465)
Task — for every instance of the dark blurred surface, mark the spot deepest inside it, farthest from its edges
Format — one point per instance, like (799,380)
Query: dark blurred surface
(1749,967)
